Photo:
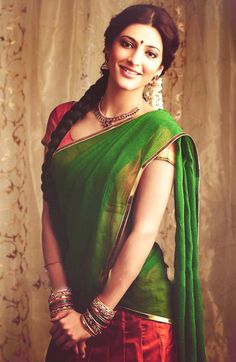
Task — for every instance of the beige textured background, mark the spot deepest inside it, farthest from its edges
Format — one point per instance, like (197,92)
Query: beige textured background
(50,52)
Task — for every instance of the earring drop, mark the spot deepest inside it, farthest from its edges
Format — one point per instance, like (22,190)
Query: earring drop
(104,66)
(153,93)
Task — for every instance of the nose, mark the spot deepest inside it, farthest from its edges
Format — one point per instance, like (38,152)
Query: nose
(135,57)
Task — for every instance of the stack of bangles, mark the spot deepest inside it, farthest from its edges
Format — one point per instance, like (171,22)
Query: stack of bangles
(97,317)
(60,300)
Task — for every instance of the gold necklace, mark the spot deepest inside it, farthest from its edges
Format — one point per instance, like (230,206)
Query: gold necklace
(107,121)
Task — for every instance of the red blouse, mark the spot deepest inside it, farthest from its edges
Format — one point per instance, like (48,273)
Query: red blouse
(53,120)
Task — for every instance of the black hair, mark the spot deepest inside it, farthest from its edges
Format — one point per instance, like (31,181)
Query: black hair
(151,15)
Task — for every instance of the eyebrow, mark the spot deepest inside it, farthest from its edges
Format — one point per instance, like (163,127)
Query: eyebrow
(150,46)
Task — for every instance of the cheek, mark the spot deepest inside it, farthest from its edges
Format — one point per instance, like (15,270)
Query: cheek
(117,53)
(151,67)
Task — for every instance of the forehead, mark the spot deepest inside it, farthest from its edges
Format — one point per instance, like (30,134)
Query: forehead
(146,33)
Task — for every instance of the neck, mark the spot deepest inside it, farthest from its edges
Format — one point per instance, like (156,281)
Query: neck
(117,101)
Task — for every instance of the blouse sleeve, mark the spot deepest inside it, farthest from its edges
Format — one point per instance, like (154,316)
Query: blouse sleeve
(168,154)
(54,119)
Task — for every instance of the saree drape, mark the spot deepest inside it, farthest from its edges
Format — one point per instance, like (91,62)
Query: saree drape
(95,180)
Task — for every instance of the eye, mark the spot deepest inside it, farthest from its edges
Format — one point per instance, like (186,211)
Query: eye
(151,54)
(126,44)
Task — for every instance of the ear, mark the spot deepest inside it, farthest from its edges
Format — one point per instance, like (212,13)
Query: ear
(159,70)
(107,53)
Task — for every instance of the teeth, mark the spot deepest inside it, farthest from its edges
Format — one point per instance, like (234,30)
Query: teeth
(130,71)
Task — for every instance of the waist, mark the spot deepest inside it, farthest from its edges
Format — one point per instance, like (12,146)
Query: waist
(150,293)
(151,317)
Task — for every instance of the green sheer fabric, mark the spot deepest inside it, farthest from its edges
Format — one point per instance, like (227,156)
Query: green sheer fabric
(143,295)
(95,181)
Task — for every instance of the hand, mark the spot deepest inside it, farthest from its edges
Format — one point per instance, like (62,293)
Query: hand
(68,330)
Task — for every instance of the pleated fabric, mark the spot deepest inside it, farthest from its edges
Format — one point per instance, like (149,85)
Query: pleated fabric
(129,338)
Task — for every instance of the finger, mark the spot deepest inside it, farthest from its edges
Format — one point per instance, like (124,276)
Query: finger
(60,340)
(58,324)
(67,345)
(82,349)
(54,328)
(76,349)
(60,315)
(58,333)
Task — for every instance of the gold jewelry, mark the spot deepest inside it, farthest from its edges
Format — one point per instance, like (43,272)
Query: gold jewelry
(95,327)
(86,325)
(153,93)
(104,66)
(101,309)
(97,317)
(107,121)
(59,300)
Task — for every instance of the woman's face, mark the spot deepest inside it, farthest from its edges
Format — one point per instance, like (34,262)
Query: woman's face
(135,57)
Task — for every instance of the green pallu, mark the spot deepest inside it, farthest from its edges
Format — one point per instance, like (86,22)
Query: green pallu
(95,179)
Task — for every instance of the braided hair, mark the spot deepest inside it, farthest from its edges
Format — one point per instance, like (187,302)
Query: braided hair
(77,111)
(154,16)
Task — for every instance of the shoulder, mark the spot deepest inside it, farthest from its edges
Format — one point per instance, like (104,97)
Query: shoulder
(163,118)
(161,124)
(59,111)
(54,119)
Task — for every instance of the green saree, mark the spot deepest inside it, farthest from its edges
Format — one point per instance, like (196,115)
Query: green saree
(95,181)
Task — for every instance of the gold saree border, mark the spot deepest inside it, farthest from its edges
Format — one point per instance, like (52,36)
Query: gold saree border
(98,133)
(150,317)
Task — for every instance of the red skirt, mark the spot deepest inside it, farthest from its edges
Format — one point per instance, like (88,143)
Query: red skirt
(129,338)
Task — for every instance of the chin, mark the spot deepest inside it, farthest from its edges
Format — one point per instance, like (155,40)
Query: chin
(128,85)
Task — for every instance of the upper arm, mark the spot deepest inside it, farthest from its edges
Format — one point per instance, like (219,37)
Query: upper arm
(152,196)
(168,154)
(46,220)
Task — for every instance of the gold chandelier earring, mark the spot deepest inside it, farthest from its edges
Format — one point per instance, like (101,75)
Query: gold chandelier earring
(153,93)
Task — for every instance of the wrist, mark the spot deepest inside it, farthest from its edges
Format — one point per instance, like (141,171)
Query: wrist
(107,300)
(60,300)
(97,317)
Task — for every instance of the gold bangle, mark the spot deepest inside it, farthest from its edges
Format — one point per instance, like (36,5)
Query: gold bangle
(105,312)
(86,326)
(60,299)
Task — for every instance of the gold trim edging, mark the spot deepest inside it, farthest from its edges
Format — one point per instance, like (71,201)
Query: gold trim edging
(150,317)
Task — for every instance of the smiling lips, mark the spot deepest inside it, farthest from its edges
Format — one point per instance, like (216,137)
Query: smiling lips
(129,71)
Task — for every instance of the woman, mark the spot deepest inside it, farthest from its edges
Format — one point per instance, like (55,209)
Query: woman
(110,164)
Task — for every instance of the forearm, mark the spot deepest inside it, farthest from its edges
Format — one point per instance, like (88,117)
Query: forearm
(127,267)
(51,253)
(56,276)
